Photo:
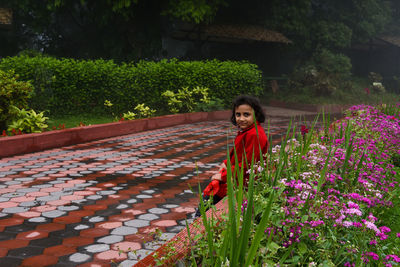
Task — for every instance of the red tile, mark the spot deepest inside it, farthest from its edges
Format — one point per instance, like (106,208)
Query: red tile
(4,205)
(133,212)
(16,186)
(81,213)
(107,202)
(15,243)
(11,222)
(3,252)
(106,185)
(126,246)
(6,190)
(110,255)
(28,214)
(139,238)
(63,185)
(67,219)
(120,217)
(37,194)
(164,223)
(22,199)
(95,207)
(59,250)
(78,241)
(58,202)
(31,235)
(84,193)
(43,208)
(90,188)
(40,260)
(149,229)
(96,232)
(50,227)
(173,216)
(72,197)
(50,189)
(77,181)
(184,209)
(95,264)
(108,225)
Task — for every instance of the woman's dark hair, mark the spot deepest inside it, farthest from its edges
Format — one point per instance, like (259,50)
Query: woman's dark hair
(252,102)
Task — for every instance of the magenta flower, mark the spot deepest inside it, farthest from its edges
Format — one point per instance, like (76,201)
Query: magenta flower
(393,257)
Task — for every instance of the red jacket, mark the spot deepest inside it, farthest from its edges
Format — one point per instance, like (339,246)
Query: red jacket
(247,144)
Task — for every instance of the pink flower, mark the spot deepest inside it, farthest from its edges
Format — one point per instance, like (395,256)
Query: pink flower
(347,224)
(384,229)
(393,257)
(373,242)
(372,218)
(372,226)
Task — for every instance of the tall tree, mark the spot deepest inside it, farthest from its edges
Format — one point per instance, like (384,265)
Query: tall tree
(132,29)
(119,29)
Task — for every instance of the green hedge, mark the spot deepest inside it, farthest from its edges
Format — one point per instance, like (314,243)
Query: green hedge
(13,92)
(68,86)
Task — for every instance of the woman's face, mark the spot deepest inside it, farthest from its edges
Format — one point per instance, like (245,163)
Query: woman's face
(244,116)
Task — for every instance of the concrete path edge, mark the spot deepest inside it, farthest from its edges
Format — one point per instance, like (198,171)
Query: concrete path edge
(28,143)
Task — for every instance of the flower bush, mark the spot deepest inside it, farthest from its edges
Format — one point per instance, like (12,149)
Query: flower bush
(326,198)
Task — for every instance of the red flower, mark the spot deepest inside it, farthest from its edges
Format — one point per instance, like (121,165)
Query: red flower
(122,119)
(4,133)
(14,132)
(366,89)
(62,126)
(303,130)
(54,127)
(19,132)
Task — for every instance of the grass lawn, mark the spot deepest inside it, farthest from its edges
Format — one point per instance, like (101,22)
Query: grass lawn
(71,121)
(357,94)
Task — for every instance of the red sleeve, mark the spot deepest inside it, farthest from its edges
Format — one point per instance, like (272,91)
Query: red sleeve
(251,145)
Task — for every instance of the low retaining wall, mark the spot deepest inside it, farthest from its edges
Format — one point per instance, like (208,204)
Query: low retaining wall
(27,143)
(179,246)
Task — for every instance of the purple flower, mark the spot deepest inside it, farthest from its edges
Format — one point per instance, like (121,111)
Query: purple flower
(373,255)
(393,257)
(384,229)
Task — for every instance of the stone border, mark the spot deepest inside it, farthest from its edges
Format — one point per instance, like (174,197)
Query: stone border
(27,143)
(180,245)
(327,108)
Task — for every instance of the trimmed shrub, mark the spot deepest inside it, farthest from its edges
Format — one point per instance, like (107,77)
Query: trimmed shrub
(81,86)
(322,75)
(12,93)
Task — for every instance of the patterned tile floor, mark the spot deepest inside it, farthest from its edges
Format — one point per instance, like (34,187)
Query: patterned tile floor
(100,203)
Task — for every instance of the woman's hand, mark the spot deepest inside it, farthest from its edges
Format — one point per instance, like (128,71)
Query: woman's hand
(216,176)
(222,167)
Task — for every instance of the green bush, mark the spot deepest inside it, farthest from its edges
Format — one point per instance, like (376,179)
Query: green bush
(12,93)
(323,74)
(27,121)
(68,86)
(186,100)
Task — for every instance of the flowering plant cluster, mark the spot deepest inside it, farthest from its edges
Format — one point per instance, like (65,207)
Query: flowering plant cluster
(325,198)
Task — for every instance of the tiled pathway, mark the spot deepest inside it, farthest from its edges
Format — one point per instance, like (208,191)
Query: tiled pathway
(100,203)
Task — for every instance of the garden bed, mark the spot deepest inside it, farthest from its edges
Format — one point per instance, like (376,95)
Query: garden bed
(329,198)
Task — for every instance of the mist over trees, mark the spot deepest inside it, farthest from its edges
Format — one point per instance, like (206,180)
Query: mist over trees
(133,29)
